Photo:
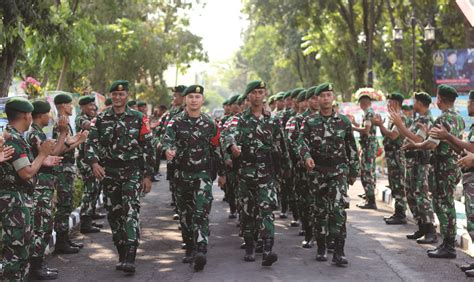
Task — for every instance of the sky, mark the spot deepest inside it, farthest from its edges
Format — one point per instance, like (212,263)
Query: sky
(220,23)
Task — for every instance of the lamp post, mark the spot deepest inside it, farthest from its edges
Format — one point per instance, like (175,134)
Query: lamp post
(429,36)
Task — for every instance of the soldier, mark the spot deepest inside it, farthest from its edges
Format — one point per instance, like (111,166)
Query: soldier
(407,111)
(446,172)
(327,145)
(132,105)
(368,146)
(17,180)
(121,155)
(418,169)
(192,140)
(279,103)
(392,142)
(256,140)
(142,107)
(65,174)
(91,190)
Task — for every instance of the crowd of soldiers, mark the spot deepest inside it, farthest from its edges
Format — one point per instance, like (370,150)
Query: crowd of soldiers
(293,150)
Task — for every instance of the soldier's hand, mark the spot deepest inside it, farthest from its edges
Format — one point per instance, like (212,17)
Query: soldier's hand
(6,153)
(235,151)
(409,145)
(83,136)
(63,124)
(467,161)
(309,163)
(377,120)
(228,163)
(439,132)
(86,125)
(221,180)
(170,154)
(146,185)
(352,180)
(47,147)
(98,171)
(52,161)
(395,117)
(423,127)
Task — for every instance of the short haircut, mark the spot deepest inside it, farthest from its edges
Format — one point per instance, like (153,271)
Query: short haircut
(12,114)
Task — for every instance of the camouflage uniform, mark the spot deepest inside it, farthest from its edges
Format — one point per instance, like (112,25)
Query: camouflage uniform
(330,142)
(122,145)
(468,185)
(231,185)
(16,204)
(196,141)
(91,191)
(369,148)
(42,198)
(447,173)
(396,167)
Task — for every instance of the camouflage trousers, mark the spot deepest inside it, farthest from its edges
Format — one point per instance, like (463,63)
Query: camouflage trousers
(257,200)
(286,186)
(396,174)
(447,175)
(42,213)
(230,190)
(64,207)
(468,185)
(194,199)
(329,195)
(417,189)
(91,191)
(17,222)
(302,191)
(122,188)
(367,166)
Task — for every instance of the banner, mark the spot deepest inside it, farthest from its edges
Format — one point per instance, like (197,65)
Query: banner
(454,67)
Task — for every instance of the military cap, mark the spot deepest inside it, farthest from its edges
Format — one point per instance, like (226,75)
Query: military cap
(310,92)
(108,101)
(84,100)
(423,97)
(396,96)
(326,86)
(256,84)
(447,91)
(178,89)
(279,96)
(131,103)
(302,96)
(119,85)
(193,89)
(141,103)
(406,107)
(471,95)
(295,92)
(19,104)
(271,99)
(226,102)
(41,107)
(287,94)
(241,98)
(62,99)
(232,100)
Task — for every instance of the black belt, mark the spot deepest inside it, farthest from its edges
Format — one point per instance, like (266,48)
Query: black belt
(120,163)
(193,168)
(328,162)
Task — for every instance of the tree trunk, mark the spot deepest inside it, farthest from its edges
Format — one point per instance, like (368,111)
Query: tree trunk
(62,75)
(8,59)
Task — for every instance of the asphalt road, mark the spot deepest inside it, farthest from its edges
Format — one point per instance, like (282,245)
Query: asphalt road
(375,251)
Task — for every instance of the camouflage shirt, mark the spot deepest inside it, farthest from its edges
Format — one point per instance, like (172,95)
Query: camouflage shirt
(23,157)
(80,119)
(388,143)
(454,124)
(292,129)
(330,142)
(368,116)
(34,137)
(160,130)
(196,141)
(121,139)
(68,157)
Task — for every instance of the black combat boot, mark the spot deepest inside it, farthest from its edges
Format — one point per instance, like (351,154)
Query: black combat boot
(294,223)
(269,257)
(128,265)
(467,267)
(430,235)
(189,255)
(62,245)
(86,225)
(418,233)
(446,250)
(97,215)
(369,204)
(249,250)
(339,257)
(308,238)
(121,249)
(321,254)
(98,225)
(200,259)
(469,273)
(398,218)
(176,216)
(330,244)
(40,272)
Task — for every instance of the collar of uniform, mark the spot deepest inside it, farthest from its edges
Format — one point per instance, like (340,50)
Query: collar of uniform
(110,111)
(248,112)
(35,126)
(12,130)
(452,110)
(186,115)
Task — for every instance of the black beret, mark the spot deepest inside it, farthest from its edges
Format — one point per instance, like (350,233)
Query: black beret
(108,101)
(423,97)
(193,89)
(397,97)
(447,91)
(471,95)
(86,100)
(256,84)
(19,104)
(295,92)
(141,103)
(325,86)
(119,85)
(302,96)
(178,89)
(131,103)
(62,99)
(41,107)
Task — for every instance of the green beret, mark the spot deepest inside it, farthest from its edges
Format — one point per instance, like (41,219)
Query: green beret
(302,96)
(256,84)
(287,94)
(131,103)
(423,97)
(310,92)
(41,107)
(62,99)
(447,91)
(279,96)
(108,101)
(271,99)
(19,104)
(84,100)
(178,89)
(241,99)
(141,103)
(193,89)
(226,102)
(295,92)
(233,99)
(119,85)
(325,86)
(397,97)
(471,95)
